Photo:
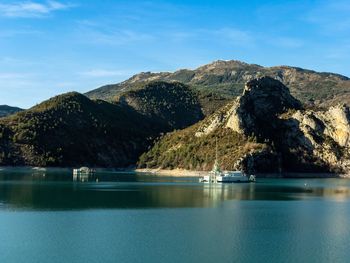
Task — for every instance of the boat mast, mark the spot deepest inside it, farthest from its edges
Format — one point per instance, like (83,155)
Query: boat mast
(216,165)
(216,153)
(216,169)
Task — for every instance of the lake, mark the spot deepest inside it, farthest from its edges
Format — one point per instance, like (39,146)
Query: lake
(49,216)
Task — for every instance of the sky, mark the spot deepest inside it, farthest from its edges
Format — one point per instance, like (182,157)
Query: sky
(55,46)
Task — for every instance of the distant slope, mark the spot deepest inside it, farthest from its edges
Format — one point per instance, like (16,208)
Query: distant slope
(171,104)
(72,130)
(225,79)
(6,110)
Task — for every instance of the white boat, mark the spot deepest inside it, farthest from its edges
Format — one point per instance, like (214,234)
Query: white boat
(218,176)
(84,170)
(234,177)
(228,177)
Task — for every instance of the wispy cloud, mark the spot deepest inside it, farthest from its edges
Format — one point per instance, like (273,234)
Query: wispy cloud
(120,37)
(284,42)
(339,51)
(235,35)
(8,33)
(331,16)
(180,35)
(99,73)
(29,9)
(14,75)
(229,35)
(95,33)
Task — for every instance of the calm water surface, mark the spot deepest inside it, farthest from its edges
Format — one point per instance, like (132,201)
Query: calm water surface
(49,216)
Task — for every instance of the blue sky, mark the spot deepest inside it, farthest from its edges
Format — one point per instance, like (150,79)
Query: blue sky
(51,47)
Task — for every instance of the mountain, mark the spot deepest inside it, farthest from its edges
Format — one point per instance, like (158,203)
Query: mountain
(6,110)
(224,80)
(173,120)
(264,130)
(171,104)
(72,130)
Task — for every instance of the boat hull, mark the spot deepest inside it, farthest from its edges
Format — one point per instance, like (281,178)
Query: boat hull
(232,179)
(227,178)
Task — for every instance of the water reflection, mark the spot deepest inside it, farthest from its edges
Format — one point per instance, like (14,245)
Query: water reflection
(52,190)
(84,177)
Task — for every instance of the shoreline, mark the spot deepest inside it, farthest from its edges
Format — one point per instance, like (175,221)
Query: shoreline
(178,172)
(287,175)
(174,172)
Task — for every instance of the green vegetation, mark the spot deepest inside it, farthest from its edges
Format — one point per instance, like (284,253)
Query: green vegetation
(71,130)
(8,110)
(264,136)
(182,149)
(173,105)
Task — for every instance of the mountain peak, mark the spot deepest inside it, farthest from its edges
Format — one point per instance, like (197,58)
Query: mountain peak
(226,78)
(228,64)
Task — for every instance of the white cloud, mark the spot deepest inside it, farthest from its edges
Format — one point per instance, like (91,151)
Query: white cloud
(99,73)
(31,9)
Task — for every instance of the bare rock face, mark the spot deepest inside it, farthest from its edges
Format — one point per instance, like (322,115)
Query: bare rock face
(216,120)
(334,123)
(302,140)
(322,134)
(262,100)
(256,110)
(337,120)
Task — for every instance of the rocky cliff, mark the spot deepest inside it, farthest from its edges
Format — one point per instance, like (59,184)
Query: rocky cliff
(323,135)
(265,129)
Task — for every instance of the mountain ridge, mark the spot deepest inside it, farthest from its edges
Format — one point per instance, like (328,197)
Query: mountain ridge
(227,79)
(6,110)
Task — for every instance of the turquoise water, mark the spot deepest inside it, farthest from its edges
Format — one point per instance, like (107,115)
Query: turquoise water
(50,217)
